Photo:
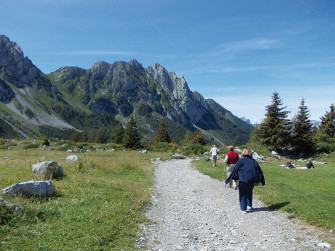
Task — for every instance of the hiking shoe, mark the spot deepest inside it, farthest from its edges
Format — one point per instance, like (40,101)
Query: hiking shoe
(249,209)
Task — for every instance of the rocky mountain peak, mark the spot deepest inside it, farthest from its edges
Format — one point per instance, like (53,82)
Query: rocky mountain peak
(160,74)
(17,68)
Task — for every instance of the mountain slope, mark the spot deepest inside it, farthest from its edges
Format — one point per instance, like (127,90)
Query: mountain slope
(73,98)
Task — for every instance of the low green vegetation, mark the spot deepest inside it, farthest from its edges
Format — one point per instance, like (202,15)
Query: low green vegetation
(96,206)
(306,194)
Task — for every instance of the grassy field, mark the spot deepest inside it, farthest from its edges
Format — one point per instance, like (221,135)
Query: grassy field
(97,205)
(306,194)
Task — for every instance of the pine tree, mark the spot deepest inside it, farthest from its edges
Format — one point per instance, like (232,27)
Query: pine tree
(198,138)
(274,131)
(162,134)
(326,132)
(188,137)
(328,122)
(84,137)
(131,138)
(302,135)
(45,142)
(75,137)
(117,134)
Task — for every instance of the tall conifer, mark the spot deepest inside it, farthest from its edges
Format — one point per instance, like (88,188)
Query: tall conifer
(274,131)
(326,133)
(162,134)
(131,138)
(117,134)
(302,135)
(198,138)
(328,122)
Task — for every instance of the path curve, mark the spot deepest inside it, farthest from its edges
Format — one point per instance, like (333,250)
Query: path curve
(191,211)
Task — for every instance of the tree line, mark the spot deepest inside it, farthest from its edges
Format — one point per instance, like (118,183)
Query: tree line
(130,138)
(297,136)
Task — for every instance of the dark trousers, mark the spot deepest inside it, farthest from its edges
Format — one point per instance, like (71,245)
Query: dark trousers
(245,194)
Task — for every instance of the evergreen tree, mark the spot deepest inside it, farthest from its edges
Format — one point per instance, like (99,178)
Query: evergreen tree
(274,131)
(75,137)
(326,132)
(162,134)
(302,135)
(100,137)
(45,142)
(198,138)
(327,125)
(188,137)
(131,138)
(84,137)
(117,134)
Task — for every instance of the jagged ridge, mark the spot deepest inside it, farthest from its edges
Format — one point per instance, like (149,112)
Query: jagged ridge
(110,93)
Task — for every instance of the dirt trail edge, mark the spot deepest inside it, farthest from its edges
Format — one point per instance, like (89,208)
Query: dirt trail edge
(191,211)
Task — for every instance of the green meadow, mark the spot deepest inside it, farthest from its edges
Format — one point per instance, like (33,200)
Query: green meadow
(308,195)
(102,197)
(97,205)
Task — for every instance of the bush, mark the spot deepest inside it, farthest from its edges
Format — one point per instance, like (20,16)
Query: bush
(197,149)
(163,146)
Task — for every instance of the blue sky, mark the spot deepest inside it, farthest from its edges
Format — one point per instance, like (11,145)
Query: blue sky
(235,52)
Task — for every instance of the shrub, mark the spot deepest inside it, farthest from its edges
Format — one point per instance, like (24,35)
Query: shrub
(197,149)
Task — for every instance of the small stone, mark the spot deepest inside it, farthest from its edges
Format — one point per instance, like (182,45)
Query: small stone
(324,245)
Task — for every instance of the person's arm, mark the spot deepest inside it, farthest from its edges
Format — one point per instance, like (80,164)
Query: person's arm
(226,159)
(260,172)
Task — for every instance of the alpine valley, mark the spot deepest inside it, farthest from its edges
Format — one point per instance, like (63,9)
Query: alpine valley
(34,104)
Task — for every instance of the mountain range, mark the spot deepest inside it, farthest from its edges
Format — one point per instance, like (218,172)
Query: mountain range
(34,104)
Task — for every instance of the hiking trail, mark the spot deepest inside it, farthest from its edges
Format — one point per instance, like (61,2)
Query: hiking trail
(191,211)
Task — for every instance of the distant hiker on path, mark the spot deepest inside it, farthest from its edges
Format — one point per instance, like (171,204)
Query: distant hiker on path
(230,160)
(214,151)
(249,174)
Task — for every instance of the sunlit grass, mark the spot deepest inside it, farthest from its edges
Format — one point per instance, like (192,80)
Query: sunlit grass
(97,207)
(306,194)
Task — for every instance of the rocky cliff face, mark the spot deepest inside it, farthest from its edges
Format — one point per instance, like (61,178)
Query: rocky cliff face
(6,93)
(19,70)
(116,90)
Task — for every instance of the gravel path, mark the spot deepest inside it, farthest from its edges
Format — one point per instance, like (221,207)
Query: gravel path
(191,211)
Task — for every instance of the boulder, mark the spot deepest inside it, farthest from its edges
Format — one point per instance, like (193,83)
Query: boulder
(36,188)
(72,158)
(10,205)
(48,169)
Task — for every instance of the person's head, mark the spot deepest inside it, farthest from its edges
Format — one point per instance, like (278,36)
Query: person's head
(214,145)
(231,148)
(247,152)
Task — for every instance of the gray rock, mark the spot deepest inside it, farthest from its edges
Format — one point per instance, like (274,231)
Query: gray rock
(72,158)
(48,169)
(324,245)
(36,188)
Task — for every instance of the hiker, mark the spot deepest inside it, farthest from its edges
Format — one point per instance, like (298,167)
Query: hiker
(249,174)
(214,151)
(310,165)
(230,160)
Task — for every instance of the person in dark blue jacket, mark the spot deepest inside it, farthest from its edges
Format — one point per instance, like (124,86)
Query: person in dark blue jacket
(249,174)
